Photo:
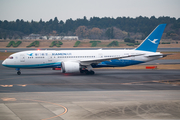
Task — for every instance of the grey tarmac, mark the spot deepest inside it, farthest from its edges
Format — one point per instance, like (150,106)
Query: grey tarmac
(110,94)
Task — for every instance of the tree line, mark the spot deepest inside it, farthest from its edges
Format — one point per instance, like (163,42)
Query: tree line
(94,28)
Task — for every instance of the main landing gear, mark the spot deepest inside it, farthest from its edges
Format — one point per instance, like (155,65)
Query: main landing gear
(87,72)
(18,71)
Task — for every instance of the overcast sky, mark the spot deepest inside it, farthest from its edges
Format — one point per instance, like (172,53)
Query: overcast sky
(64,9)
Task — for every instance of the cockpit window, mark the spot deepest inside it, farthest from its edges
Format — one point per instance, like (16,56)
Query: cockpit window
(10,57)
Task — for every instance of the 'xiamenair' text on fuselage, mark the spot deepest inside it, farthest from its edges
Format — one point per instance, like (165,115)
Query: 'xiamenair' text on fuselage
(61,53)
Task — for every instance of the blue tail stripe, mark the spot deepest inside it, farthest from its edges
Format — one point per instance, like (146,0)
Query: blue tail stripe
(152,41)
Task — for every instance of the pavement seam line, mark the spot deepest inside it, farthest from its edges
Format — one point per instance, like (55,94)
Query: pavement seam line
(89,111)
(48,110)
(12,111)
(65,109)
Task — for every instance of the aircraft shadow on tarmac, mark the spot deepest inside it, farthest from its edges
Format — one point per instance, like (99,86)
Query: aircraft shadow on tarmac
(98,73)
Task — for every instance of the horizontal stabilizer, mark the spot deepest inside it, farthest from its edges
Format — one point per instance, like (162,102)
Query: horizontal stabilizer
(163,55)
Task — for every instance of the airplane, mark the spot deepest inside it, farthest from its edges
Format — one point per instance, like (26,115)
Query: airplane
(83,61)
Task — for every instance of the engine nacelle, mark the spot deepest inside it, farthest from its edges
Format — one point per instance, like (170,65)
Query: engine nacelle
(70,67)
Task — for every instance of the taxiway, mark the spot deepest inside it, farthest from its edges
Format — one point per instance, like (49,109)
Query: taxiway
(43,94)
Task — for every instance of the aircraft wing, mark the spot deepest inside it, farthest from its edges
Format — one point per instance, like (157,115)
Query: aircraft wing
(99,60)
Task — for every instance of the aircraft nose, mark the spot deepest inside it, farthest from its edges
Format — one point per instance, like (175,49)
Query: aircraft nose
(4,62)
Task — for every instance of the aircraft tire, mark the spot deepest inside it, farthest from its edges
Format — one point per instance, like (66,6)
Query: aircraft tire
(91,72)
(82,71)
(19,73)
(86,72)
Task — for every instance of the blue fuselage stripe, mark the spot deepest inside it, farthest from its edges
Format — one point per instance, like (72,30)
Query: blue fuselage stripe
(118,63)
(112,63)
(46,65)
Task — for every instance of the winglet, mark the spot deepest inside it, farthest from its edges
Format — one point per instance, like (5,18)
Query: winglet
(152,40)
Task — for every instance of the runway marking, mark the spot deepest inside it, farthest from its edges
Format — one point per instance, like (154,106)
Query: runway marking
(174,82)
(9,99)
(65,109)
(22,85)
(130,83)
(6,85)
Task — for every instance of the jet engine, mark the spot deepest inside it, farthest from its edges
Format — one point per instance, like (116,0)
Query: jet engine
(70,67)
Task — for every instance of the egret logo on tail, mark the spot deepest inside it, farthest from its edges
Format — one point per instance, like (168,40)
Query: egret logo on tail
(153,41)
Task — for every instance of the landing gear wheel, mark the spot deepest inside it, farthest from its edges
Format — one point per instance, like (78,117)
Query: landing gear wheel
(91,72)
(82,71)
(19,73)
(86,72)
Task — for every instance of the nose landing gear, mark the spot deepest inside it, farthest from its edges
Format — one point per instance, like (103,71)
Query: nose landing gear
(18,71)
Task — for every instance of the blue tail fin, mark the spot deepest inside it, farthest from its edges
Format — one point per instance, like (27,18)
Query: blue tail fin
(152,41)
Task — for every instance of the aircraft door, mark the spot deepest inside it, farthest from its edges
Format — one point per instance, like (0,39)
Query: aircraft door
(100,55)
(49,57)
(133,57)
(22,58)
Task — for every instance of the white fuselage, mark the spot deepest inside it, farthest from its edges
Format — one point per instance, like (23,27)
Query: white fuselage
(53,58)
